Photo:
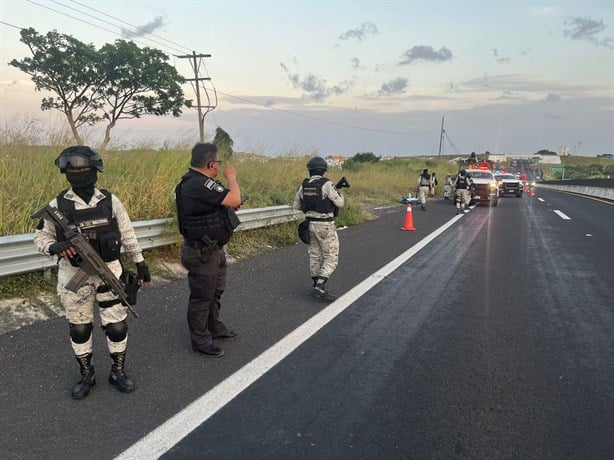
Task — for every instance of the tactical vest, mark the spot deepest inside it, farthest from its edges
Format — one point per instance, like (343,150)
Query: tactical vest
(425,180)
(97,225)
(461,182)
(216,225)
(312,197)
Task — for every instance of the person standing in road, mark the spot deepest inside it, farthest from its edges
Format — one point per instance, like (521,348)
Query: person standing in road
(318,198)
(207,219)
(102,218)
(447,187)
(434,183)
(462,184)
(424,186)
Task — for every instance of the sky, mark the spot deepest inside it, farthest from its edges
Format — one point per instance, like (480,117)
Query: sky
(343,77)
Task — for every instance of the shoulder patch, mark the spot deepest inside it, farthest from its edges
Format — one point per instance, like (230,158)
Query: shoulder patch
(213,185)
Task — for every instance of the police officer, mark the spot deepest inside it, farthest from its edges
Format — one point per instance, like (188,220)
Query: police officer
(318,198)
(424,186)
(101,216)
(207,221)
(463,191)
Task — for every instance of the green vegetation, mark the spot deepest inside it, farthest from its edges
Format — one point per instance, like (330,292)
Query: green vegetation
(144,178)
(119,81)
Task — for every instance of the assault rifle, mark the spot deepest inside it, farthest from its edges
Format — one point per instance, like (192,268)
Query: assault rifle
(89,261)
(343,183)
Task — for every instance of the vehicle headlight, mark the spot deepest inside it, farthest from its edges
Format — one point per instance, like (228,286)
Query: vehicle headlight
(493,185)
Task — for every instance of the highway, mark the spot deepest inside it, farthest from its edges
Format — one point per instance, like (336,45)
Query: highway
(488,335)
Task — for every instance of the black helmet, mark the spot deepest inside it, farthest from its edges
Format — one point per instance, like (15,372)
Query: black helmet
(463,172)
(79,156)
(317,164)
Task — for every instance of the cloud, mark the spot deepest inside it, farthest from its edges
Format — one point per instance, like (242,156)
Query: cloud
(360,33)
(501,59)
(145,29)
(426,53)
(393,87)
(356,64)
(552,98)
(316,88)
(586,29)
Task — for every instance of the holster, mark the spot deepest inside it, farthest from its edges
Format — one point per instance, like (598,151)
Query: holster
(131,285)
(208,248)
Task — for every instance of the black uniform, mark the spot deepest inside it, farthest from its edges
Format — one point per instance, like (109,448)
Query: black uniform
(206,227)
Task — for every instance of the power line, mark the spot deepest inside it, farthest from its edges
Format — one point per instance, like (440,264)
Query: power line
(296,114)
(334,123)
(128,24)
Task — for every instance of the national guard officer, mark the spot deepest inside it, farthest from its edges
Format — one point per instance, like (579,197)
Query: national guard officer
(319,199)
(462,185)
(447,187)
(102,217)
(207,221)
(424,186)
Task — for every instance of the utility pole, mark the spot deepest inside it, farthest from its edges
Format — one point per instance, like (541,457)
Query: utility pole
(441,137)
(195,65)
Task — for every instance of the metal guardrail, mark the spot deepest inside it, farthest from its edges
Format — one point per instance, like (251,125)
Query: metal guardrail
(18,255)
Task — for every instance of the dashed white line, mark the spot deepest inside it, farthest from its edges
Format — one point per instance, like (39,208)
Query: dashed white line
(562,215)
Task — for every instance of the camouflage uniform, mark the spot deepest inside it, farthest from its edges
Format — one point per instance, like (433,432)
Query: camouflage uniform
(79,305)
(462,185)
(324,246)
(424,187)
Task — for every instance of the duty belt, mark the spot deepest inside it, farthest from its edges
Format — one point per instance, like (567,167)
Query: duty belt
(320,219)
(198,244)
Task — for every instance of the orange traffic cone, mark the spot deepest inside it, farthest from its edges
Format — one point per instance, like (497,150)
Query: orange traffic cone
(409,220)
(532,192)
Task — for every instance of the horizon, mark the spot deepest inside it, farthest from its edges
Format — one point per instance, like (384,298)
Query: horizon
(340,78)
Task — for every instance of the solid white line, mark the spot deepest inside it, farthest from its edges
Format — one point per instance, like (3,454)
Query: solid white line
(163,438)
(562,215)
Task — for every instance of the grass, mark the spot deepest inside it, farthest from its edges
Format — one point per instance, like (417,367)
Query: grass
(144,179)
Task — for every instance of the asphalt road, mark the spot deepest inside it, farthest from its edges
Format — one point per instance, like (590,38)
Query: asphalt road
(494,340)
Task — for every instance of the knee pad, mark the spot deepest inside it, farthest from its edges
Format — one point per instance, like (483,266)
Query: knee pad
(116,332)
(80,333)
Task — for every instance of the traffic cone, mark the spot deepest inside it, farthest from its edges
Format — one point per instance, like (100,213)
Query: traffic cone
(532,192)
(408,225)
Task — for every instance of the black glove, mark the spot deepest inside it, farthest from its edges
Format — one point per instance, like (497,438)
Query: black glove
(143,272)
(58,247)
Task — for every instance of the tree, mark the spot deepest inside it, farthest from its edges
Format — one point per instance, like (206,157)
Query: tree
(138,82)
(67,67)
(362,157)
(224,143)
(118,82)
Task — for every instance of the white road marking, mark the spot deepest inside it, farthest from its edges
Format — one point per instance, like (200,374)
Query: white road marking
(562,215)
(540,199)
(167,435)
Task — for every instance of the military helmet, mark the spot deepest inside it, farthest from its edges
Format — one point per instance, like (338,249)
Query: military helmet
(317,164)
(463,172)
(79,156)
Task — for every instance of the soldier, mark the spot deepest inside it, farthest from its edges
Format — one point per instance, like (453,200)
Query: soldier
(424,186)
(447,187)
(462,185)
(207,220)
(318,198)
(102,217)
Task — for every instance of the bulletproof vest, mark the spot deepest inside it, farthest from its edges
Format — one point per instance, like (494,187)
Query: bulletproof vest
(97,225)
(425,179)
(215,225)
(461,182)
(312,197)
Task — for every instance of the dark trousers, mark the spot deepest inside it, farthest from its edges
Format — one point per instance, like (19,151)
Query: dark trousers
(207,282)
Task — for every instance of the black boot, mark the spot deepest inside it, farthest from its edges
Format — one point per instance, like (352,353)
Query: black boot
(315,280)
(83,387)
(118,377)
(319,291)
